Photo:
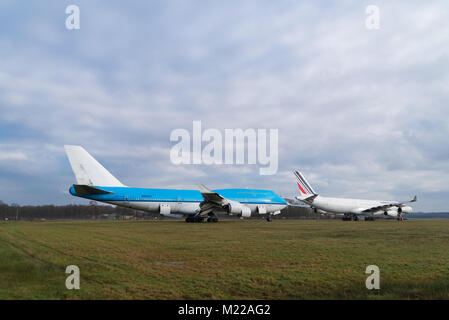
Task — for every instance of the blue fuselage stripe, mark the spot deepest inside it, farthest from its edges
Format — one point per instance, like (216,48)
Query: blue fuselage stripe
(248,196)
(194,201)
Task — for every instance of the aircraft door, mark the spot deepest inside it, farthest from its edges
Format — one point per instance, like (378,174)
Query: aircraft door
(177,206)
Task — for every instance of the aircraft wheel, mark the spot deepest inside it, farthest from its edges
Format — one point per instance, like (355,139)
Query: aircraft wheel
(214,219)
(269,219)
(355,218)
(189,219)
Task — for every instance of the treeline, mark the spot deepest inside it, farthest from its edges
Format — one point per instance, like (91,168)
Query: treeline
(298,212)
(51,212)
(96,211)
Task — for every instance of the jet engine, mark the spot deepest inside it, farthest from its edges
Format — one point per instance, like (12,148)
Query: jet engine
(391,213)
(406,209)
(238,209)
(397,211)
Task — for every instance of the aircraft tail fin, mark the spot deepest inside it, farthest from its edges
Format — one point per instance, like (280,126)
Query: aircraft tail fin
(89,171)
(304,187)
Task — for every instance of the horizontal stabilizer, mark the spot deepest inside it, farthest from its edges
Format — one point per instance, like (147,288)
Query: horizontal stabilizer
(311,198)
(82,190)
(307,198)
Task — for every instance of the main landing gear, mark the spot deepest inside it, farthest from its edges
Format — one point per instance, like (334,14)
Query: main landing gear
(269,218)
(194,219)
(349,217)
(201,219)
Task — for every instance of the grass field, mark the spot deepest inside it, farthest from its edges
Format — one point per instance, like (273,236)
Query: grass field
(285,259)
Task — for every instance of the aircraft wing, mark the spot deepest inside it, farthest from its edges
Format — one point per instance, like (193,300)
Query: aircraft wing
(389,205)
(213,202)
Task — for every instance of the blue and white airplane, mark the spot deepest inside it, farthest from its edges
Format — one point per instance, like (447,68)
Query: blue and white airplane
(94,182)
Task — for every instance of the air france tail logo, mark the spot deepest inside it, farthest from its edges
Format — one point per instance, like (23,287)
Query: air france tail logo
(301,188)
(303,185)
(254,141)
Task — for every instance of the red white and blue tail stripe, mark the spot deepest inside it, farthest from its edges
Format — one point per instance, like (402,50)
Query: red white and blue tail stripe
(303,185)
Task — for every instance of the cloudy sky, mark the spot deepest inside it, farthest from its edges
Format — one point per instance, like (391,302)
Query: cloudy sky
(362,113)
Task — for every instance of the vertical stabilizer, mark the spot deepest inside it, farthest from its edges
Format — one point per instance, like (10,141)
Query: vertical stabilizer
(89,171)
(304,186)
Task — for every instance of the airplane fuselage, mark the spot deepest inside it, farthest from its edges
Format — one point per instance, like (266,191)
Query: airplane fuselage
(179,202)
(355,206)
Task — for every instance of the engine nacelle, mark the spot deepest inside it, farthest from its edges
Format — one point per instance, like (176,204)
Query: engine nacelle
(236,208)
(406,209)
(391,213)
(396,211)
(246,212)
(164,209)
(262,209)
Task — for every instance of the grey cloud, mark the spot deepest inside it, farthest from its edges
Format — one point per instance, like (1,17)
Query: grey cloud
(362,113)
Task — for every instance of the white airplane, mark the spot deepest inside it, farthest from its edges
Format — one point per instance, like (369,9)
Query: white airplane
(350,208)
